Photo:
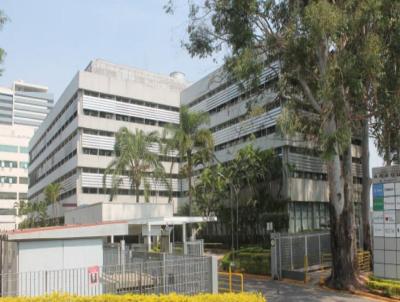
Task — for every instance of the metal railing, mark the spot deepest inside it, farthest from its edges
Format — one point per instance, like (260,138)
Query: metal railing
(187,275)
(298,252)
(229,282)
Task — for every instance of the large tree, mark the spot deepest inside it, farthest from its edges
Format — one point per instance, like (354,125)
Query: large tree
(190,137)
(134,158)
(329,56)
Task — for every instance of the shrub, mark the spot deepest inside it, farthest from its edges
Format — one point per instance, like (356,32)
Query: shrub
(251,260)
(243,297)
(387,287)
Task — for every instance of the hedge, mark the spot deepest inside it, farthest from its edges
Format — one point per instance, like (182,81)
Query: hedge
(253,260)
(387,287)
(243,297)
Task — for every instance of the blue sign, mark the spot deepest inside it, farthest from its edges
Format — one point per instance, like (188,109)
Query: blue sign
(377,190)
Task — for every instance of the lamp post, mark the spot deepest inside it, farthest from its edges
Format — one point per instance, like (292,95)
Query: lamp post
(231,193)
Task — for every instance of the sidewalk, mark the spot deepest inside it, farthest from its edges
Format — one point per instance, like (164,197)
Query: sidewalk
(288,291)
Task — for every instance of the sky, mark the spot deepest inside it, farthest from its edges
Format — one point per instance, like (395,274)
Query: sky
(48,41)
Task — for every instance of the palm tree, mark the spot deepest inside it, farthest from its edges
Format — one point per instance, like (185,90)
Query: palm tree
(190,137)
(52,193)
(133,156)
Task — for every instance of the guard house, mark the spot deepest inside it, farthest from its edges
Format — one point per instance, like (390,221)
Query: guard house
(147,222)
(82,257)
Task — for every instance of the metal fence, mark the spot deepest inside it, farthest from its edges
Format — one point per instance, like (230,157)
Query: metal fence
(188,275)
(298,252)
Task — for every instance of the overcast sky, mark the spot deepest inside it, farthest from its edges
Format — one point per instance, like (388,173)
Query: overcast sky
(48,41)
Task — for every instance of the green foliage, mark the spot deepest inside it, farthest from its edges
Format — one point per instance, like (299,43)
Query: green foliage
(134,158)
(386,110)
(251,260)
(242,297)
(52,195)
(385,286)
(190,138)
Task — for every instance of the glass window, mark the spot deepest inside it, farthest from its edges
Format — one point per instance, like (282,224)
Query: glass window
(8,148)
(23,149)
(23,164)
(23,196)
(8,195)
(23,180)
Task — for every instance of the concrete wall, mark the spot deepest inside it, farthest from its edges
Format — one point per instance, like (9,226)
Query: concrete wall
(117,211)
(59,254)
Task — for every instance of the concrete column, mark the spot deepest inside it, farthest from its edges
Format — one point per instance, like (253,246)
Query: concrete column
(148,237)
(214,275)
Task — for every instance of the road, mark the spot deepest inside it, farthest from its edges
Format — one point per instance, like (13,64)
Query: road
(277,291)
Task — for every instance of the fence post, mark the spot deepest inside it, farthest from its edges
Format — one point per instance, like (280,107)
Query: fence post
(140,278)
(164,273)
(319,249)
(305,259)
(230,278)
(213,273)
(291,252)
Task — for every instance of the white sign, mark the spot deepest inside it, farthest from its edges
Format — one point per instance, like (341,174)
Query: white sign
(389,216)
(378,230)
(390,230)
(388,189)
(377,217)
(397,188)
(389,203)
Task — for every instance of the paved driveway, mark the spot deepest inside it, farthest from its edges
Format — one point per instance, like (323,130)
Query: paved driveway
(277,291)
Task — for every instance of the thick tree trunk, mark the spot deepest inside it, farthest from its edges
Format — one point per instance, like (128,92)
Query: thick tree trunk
(344,270)
(366,185)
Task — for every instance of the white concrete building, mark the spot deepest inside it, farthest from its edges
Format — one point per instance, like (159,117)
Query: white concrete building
(22,109)
(75,143)
(233,127)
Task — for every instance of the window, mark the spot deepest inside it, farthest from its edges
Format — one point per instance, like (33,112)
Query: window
(105,152)
(8,211)
(23,164)
(23,180)
(8,148)
(8,195)
(23,149)
(8,164)
(23,196)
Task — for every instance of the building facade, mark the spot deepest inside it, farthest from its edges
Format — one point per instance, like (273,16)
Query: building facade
(22,109)
(233,127)
(75,143)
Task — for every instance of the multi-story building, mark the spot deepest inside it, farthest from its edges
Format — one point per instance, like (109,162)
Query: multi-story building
(22,109)
(233,127)
(75,143)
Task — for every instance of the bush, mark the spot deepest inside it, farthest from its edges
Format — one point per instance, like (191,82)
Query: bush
(244,297)
(385,286)
(251,260)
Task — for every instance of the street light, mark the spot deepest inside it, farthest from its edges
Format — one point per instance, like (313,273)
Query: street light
(231,189)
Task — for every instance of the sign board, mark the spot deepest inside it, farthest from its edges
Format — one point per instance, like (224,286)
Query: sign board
(378,204)
(93,272)
(389,203)
(378,230)
(390,230)
(377,217)
(389,217)
(377,190)
(388,189)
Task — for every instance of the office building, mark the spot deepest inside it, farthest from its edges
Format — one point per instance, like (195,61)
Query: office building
(75,143)
(22,109)
(227,104)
